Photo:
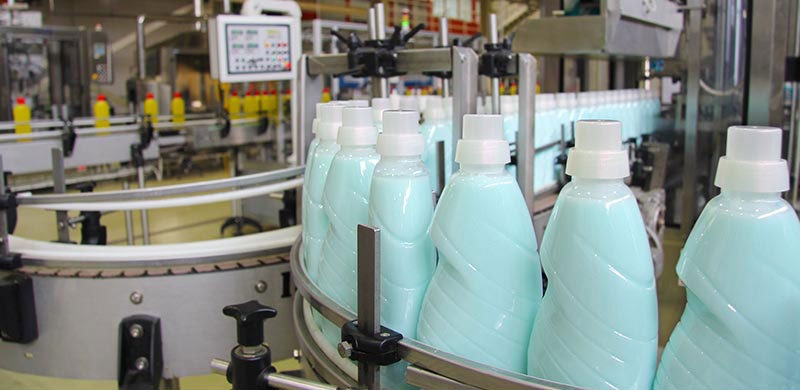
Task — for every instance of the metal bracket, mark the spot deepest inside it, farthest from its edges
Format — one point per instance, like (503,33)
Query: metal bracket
(17,308)
(792,69)
(380,349)
(140,356)
(146,132)
(68,139)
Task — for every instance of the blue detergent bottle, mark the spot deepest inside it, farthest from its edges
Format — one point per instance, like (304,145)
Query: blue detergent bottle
(437,127)
(741,268)
(487,286)
(598,324)
(323,148)
(401,205)
(345,201)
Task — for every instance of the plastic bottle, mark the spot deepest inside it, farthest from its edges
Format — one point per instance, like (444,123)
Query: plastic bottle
(741,270)
(345,201)
(271,102)
(102,114)
(321,152)
(151,108)
(598,324)
(437,128)
(401,205)
(326,95)
(235,105)
(22,118)
(263,103)
(178,108)
(379,105)
(487,287)
(250,105)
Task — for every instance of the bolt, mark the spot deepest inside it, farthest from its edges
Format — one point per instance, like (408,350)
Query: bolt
(261,286)
(296,354)
(141,363)
(384,334)
(135,331)
(136,297)
(345,349)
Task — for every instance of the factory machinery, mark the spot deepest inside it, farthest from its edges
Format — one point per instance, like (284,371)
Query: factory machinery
(154,311)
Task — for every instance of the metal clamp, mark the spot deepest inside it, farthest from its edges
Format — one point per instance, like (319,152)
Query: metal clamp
(364,347)
(375,57)
(141,360)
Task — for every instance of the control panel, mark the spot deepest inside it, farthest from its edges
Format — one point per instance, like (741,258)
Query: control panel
(100,58)
(254,48)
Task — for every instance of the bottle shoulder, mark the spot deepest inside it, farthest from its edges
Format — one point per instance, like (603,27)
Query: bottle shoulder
(598,191)
(393,168)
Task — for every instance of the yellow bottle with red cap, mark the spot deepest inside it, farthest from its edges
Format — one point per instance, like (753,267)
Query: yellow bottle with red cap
(272,104)
(263,103)
(513,89)
(22,118)
(151,108)
(235,105)
(326,95)
(178,107)
(102,114)
(250,105)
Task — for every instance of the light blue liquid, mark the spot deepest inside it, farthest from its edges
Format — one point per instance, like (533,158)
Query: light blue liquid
(345,201)
(401,205)
(598,324)
(434,131)
(487,287)
(315,222)
(741,325)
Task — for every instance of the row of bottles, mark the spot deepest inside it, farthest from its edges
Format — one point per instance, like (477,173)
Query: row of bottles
(596,325)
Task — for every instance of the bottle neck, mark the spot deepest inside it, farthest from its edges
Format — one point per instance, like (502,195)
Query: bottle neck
(483,168)
(585,180)
(744,195)
(356,148)
(401,159)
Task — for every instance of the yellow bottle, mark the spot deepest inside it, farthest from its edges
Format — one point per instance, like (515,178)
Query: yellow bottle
(22,119)
(263,106)
(272,104)
(102,114)
(151,108)
(326,95)
(178,107)
(250,105)
(513,90)
(234,105)
(502,89)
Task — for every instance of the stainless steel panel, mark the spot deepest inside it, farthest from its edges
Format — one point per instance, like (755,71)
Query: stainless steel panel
(767,63)
(79,313)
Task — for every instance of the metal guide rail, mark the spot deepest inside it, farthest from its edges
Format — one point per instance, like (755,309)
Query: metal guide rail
(431,368)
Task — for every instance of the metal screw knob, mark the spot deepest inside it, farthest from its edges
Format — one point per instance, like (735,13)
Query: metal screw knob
(135,331)
(345,349)
(261,286)
(141,363)
(136,297)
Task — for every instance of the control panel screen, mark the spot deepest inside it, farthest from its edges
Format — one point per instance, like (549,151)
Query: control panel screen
(254,48)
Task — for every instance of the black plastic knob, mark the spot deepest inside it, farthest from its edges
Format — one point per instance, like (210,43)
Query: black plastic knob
(250,317)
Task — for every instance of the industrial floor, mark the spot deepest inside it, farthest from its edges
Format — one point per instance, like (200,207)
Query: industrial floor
(203,222)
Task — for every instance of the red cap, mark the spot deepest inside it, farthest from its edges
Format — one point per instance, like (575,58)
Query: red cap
(273,92)
(248,94)
(20,100)
(149,95)
(101,98)
(177,95)
(234,93)
(326,90)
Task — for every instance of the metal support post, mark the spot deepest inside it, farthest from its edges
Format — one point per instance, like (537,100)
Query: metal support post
(440,169)
(140,44)
(280,130)
(145,224)
(226,6)
(60,187)
(493,39)
(465,90)
(128,218)
(236,204)
(689,204)
(380,29)
(794,132)
(444,35)
(369,304)
(526,68)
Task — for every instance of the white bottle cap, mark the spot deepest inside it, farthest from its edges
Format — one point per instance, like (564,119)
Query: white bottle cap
(330,119)
(356,103)
(401,136)
(435,108)
(315,122)
(598,152)
(409,103)
(507,106)
(357,128)
(753,161)
(379,105)
(482,141)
